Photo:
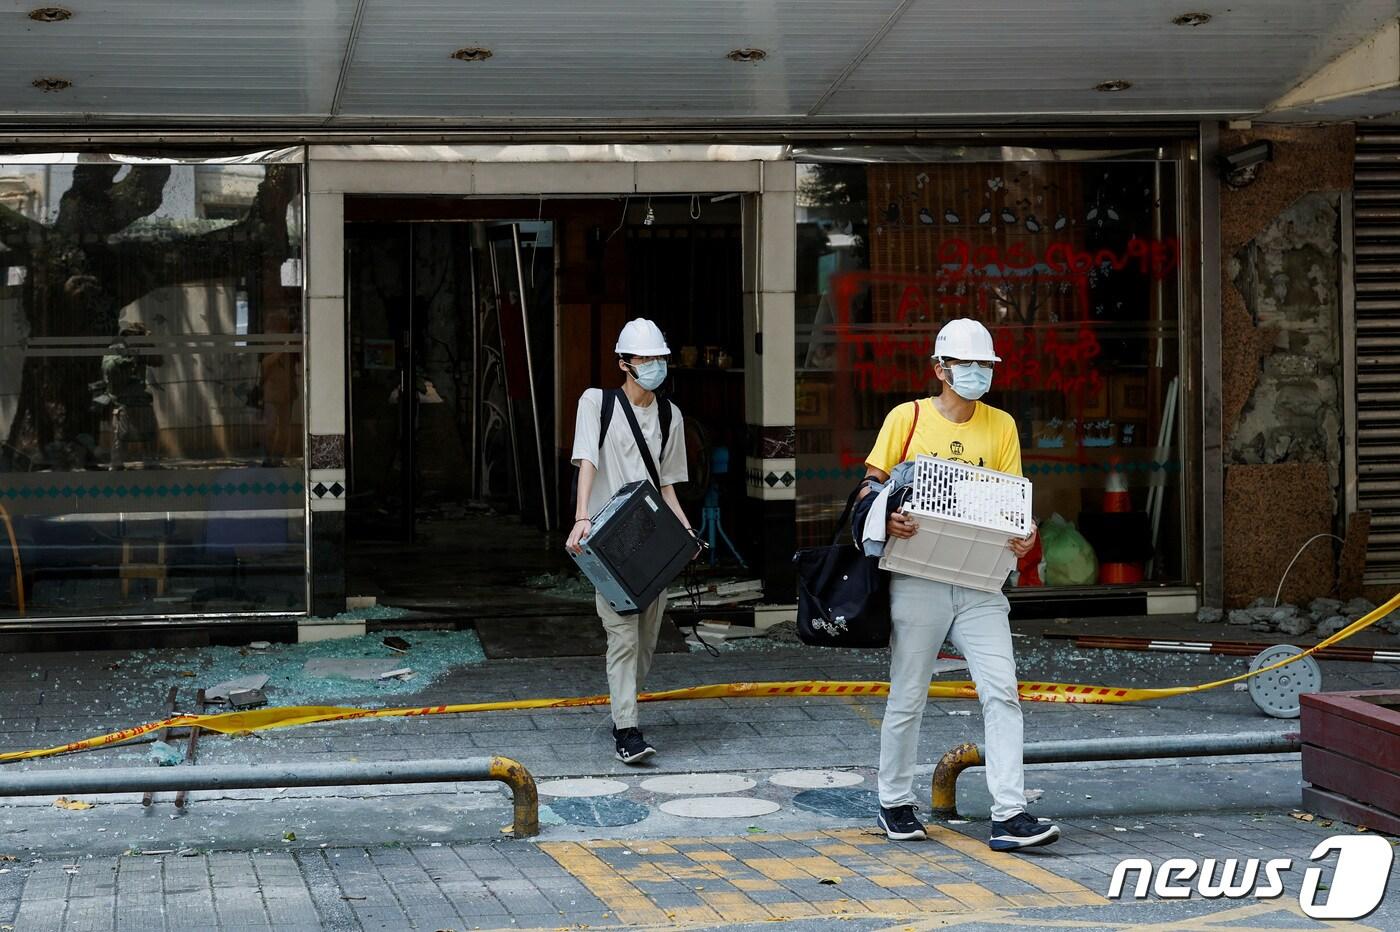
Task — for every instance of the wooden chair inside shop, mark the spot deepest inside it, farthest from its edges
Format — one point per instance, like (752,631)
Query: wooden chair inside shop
(143,554)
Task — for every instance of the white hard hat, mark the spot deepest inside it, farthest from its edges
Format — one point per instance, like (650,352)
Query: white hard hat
(641,337)
(965,338)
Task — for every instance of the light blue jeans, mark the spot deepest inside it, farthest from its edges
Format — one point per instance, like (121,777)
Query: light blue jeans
(923,614)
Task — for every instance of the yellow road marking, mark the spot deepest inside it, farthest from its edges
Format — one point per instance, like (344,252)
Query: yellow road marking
(776,869)
(971,895)
(942,871)
(709,856)
(629,903)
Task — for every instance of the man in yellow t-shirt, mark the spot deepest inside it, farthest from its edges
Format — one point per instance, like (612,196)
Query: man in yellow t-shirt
(957,426)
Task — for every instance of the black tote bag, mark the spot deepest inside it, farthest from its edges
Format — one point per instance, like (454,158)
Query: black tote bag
(843,597)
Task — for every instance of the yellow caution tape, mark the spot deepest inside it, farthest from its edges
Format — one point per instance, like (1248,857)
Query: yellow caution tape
(288,716)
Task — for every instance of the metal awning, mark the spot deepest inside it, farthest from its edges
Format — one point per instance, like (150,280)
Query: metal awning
(635,63)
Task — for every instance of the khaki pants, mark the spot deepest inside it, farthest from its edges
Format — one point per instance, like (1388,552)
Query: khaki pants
(631,644)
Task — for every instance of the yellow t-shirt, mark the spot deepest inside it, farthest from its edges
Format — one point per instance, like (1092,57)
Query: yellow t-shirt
(987,439)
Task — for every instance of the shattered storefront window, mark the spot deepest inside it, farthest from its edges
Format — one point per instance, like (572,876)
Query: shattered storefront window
(1074,267)
(151,406)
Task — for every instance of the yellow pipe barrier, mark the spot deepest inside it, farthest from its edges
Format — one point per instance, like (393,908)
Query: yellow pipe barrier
(290,716)
(14,552)
(527,797)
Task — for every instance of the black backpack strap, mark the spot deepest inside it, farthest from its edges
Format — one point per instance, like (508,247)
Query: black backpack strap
(841,521)
(664,415)
(642,447)
(606,408)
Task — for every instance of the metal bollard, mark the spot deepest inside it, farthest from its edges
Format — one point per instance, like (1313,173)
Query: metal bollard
(273,775)
(958,759)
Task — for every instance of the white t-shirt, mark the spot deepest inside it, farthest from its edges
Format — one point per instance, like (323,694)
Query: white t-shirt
(619,462)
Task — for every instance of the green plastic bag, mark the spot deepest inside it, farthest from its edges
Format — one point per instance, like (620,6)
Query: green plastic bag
(1068,558)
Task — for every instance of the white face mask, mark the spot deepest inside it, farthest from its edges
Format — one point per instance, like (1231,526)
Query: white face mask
(970,380)
(650,374)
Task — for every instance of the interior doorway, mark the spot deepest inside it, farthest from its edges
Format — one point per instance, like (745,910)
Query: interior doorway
(474,327)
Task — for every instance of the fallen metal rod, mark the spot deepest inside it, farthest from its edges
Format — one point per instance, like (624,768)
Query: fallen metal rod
(203,706)
(163,735)
(952,764)
(244,776)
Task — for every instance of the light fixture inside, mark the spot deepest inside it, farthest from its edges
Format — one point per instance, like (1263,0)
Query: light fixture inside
(472,53)
(52,84)
(50,14)
(747,55)
(1113,86)
(1191,19)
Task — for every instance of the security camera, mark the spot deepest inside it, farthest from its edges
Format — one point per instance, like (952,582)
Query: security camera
(1239,167)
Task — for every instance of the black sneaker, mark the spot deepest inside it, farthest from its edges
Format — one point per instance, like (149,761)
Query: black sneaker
(1022,831)
(632,748)
(900,824)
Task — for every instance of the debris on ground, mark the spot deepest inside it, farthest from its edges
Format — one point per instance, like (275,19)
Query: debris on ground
(164,754)
(1209,616)
(220,692)
(288,682)
(1239,617)
(246,698)
(74,805)
(397,644)
(1331,626)
(1324,608)
(1358,608)
(718,592)
(354,668)
(402,673)
(562,585)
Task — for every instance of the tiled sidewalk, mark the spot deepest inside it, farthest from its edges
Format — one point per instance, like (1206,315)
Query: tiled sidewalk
(808,878)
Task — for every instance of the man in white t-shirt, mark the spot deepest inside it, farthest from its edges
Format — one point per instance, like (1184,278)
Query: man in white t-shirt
(605,465)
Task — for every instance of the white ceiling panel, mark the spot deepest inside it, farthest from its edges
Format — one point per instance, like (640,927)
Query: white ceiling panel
(623,58)
(952,57)
(187,58)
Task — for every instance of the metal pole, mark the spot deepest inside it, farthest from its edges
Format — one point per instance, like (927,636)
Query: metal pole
(1210,508)
(958,759)
(505,372)
(476,370)
(247,776)
(530,374)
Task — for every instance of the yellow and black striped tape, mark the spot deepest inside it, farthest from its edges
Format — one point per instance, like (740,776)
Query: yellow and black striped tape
(290,716)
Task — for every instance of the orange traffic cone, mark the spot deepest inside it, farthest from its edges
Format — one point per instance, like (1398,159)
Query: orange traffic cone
(1117,500)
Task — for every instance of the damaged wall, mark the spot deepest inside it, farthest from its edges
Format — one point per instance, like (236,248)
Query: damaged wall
(1281,250)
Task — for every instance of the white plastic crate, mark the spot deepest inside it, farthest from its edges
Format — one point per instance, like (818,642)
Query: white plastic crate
(966,515)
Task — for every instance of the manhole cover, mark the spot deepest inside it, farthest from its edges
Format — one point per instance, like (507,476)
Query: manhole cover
(689,784)
(719,807)
(582,788)
(815,779)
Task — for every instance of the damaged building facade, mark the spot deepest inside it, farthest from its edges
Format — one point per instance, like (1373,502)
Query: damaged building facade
(253,373)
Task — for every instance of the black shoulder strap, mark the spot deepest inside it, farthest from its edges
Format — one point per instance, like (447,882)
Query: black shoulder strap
(606,407)
(642,447)
(665,415)
(612,396)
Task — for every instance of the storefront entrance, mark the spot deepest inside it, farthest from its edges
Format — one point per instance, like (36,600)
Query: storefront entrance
(474,327)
